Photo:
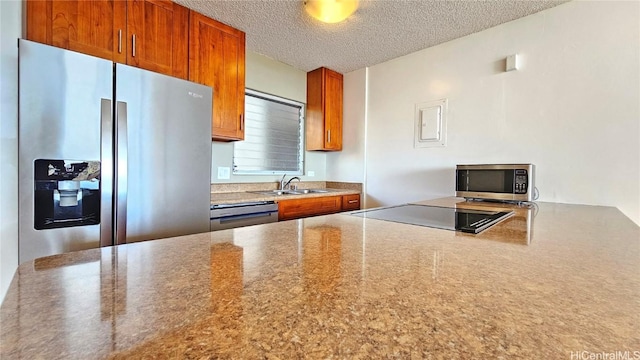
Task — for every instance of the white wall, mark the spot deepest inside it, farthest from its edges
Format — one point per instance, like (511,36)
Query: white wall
(10,31)
(276,78)
(573,109)
(348,165)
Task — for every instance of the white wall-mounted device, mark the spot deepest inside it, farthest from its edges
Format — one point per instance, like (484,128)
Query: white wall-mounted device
(224,172)
(431,124)
(512,62)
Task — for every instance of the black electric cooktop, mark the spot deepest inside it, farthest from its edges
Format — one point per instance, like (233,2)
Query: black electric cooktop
(471,221)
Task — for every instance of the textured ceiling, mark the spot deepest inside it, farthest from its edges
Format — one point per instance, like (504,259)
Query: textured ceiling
(379,31)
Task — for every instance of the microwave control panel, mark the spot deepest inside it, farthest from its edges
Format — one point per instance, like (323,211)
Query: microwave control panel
(521,182)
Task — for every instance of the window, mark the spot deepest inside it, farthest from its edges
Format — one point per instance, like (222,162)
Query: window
(273,134)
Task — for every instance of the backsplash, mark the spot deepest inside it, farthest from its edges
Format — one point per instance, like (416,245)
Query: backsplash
(344,185)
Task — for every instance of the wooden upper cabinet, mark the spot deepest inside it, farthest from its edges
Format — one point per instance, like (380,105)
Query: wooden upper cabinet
(105,28)
(324,110)
(91,27)
(158,37)
(217,59)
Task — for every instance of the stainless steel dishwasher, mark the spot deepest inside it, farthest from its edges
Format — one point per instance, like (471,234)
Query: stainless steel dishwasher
(227,216)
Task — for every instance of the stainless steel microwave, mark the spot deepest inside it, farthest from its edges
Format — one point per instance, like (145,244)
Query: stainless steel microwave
(501,182)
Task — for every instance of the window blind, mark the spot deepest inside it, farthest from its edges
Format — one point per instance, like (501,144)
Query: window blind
(272,137)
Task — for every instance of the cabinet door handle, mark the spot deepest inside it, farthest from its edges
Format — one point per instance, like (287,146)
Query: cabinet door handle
(134,46)
(120,41)
(329,136)
(353,201)
(241,122)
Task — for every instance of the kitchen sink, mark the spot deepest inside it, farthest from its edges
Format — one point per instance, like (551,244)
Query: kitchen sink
(273,192)
(290,192)
(310,191)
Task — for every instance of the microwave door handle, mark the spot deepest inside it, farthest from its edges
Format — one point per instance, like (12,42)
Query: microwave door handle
(106,173)
(121,173)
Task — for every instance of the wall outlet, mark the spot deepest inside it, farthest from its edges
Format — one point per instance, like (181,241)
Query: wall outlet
(224,172)
(311,173)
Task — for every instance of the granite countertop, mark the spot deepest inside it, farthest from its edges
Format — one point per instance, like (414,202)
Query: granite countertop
(240,197)
(551,282)
(239,192)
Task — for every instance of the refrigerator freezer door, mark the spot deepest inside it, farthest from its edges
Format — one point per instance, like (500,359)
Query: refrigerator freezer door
(62,97)
(167,169)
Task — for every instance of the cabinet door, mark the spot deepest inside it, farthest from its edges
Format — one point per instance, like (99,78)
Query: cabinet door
(91,27)
(217,59)
(298,208)
(157,36)
(324,110)
(333,110)
(314,126)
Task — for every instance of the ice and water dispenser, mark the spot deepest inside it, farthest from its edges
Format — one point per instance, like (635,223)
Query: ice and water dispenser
(67,193)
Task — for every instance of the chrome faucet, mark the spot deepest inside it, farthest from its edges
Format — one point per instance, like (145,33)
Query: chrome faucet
(287,185)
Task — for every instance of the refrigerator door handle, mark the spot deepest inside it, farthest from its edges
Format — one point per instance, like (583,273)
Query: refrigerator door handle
(106,173)
(120,216)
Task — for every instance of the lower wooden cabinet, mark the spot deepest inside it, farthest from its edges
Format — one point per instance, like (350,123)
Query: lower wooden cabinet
(314,206)
(351,202)
(299,208)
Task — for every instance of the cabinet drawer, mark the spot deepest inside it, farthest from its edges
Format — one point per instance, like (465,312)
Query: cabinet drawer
(298,208)
(351,202)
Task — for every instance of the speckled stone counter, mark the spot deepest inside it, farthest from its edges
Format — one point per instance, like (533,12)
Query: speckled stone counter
(547,283)
(234,193)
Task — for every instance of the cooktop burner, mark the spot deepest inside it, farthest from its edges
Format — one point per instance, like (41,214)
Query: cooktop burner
(471,221)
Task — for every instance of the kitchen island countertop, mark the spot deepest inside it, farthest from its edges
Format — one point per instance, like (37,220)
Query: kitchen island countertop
(553,281)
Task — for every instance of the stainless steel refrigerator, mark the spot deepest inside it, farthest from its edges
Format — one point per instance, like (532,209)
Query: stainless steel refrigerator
(108,154)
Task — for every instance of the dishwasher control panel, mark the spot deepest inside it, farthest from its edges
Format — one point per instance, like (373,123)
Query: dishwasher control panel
(228,216)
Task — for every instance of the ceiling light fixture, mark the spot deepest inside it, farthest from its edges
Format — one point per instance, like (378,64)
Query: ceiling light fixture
(330,11)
